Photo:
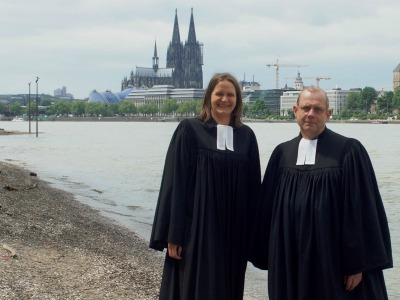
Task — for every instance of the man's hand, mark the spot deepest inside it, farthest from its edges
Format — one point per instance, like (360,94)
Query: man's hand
(352,281)
(174,251)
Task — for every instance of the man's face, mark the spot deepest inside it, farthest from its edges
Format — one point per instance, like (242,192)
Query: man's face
(311,114)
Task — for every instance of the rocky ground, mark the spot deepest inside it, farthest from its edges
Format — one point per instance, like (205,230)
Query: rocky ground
(6,132)
(53,247)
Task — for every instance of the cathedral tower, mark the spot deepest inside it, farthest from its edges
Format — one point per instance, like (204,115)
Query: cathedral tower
(174,55)
(193,59)
(184,64)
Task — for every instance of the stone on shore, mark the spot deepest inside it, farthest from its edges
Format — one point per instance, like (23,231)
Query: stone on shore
(66,250)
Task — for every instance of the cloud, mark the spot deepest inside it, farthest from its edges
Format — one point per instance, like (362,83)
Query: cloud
(93,44)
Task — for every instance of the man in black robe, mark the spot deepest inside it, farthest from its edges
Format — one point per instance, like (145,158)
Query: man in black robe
(323,232)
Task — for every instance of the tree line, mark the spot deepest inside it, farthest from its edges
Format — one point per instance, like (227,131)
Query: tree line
(94,109)
(363,104)
(358,105)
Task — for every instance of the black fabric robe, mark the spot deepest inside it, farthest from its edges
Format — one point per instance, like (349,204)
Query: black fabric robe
(321,222)
(206,201)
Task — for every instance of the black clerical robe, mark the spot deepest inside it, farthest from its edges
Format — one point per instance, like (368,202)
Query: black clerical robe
(321,222)
(206,201)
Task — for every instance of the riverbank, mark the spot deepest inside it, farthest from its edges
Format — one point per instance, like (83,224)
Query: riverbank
(8,132)
(53,247)
(178,119)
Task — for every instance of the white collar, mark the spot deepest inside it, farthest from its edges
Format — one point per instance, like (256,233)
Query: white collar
(224,137)
(307,152)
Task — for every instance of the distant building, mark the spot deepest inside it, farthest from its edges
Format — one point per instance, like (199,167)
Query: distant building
(108,97)
(62,94)
(272,98)
(159,93)
(298,83)
(183,68)
(396,77)
(251,91)
(249,85)
(337,100)
(288,99)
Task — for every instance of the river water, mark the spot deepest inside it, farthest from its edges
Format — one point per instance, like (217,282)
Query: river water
(116,167)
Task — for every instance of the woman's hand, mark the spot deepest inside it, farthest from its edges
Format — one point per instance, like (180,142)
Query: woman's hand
(174,251)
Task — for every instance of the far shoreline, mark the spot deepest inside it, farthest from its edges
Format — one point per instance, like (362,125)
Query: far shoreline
(180,118)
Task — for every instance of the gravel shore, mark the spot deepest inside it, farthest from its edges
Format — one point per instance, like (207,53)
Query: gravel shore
(53,247)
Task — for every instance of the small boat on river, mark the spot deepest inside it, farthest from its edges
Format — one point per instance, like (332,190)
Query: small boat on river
(18,119)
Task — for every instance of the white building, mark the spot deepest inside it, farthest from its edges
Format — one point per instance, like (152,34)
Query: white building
(288,99)
(159,93)
(337,100)
(62,94)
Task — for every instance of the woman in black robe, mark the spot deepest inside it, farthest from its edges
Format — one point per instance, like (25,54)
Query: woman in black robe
(208,191)
(323,231)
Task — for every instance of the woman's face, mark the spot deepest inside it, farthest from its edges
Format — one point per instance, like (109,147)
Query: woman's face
(223,102)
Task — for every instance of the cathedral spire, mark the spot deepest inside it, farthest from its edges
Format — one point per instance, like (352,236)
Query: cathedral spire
(176,39)
(155,58)
(155,48)
(192,31)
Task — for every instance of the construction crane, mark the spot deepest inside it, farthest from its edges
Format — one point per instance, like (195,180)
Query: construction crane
(277,65)
(318,79)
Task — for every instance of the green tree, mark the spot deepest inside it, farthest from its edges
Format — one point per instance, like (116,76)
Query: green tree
(245,109)
(45,102)
(148,109)
(112,109)
(31,109)
(385,103)
(95,109)
(396,98)
(257,109)
(59,108)
(127,108)
(369,95)
(354,102)
(194,107)
(183,108)
(169,107)
(15,109)
(78,108)
(50,110)
(199,106)
(152,109)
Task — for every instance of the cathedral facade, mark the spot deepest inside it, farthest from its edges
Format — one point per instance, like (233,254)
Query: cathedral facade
(183,68)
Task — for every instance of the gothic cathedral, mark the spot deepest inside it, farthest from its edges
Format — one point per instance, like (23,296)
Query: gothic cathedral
(184,64)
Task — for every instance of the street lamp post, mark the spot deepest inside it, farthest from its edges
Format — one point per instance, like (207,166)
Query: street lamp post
(37,105)
(29,107)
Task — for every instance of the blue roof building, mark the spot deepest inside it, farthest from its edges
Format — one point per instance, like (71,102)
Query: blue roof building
(108,97)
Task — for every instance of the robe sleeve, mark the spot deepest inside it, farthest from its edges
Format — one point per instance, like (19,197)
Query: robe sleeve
(169,219)
(262,222)
(255,177)
(366,240)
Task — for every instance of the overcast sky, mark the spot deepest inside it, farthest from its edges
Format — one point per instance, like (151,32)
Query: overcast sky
(93,44)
